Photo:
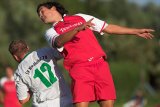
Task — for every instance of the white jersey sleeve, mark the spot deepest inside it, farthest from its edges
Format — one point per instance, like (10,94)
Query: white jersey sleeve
(21,87)
(99,25)
(50,36)
(2,81)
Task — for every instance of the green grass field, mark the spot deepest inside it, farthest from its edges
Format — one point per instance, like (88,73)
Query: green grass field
(127,80)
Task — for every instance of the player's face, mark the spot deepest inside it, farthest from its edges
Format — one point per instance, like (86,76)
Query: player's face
(9,72)
(48,15)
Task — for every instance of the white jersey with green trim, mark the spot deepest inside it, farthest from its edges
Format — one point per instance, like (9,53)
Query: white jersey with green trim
(38,73)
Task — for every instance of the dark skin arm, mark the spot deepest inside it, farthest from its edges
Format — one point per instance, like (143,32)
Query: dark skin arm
(111,29)
(115,29)
(62,39)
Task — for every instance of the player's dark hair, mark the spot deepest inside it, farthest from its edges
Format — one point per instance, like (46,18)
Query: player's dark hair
(49,5)
(16,47)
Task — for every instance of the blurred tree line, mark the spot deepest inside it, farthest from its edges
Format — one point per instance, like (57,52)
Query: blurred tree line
(19,20)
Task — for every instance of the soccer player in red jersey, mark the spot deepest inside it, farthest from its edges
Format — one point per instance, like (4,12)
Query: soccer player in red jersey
(84,58)
(8,89)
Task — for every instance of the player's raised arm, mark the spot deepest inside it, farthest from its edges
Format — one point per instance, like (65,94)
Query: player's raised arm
(115,29)
(62,39)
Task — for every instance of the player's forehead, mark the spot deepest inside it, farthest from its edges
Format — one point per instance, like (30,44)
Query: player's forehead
(42,8)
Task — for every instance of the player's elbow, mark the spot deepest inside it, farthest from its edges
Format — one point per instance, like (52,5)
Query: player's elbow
(22,101)
(110,29)
(58,43)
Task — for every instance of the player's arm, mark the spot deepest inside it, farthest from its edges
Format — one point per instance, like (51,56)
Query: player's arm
(115,29)
(101,26)
(1,92)
(62,39)
(1,96)
(21,89)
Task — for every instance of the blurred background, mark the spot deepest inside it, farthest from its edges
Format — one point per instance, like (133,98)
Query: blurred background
(134,62)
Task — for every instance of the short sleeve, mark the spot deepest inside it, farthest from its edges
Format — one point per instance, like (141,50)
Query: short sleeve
(2,80)
(55,53)
(99,25)
(50,36)
(21,88)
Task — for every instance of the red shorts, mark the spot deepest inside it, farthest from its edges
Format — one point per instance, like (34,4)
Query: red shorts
(92,81)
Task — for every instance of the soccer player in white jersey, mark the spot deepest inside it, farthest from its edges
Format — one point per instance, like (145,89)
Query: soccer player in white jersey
(38,76)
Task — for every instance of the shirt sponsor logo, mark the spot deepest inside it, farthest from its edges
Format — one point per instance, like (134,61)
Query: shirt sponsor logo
(34,64)
(70,26)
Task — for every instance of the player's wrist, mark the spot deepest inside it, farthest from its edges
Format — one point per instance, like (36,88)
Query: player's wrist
(80,28)
(77,29)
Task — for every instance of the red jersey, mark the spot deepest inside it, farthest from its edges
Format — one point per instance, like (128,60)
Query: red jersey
(10,96)
(84,45)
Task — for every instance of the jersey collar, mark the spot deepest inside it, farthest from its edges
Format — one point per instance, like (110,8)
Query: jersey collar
(25,56)
(60,20)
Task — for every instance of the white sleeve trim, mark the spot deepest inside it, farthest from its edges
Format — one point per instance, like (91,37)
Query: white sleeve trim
(50,36)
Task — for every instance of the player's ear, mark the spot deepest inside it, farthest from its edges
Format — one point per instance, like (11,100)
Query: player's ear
(28,48)
(16,58)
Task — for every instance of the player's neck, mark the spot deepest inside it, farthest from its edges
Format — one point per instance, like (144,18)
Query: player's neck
(10,77)
(23,56)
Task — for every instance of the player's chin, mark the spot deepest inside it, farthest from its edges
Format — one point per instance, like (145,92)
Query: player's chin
(45,22)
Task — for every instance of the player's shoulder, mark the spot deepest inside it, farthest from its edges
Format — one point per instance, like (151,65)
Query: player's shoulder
(3,80)
(83,15)
(26,60)
(44,50)
(24,64)
(19,71)
(50,31)
(47,53)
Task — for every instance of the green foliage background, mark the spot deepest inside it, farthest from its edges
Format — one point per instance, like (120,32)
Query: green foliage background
(128,55)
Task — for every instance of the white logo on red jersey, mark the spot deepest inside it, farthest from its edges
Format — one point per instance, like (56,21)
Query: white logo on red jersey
(70,26)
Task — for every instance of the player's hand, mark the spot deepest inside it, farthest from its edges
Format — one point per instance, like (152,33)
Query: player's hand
(145,33)
(86,25)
